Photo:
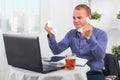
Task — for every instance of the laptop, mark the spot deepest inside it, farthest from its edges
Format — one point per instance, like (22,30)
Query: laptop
(24,52)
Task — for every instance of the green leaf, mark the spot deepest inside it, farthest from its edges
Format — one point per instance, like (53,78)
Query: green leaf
(116,49)
(95,15)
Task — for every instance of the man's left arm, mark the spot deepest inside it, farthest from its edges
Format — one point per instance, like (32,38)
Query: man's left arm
(98,45)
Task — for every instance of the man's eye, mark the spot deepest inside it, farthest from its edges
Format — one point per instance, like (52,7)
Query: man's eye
(73,17)
(79,17)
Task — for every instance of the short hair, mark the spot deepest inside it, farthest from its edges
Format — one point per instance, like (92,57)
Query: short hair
(88,10)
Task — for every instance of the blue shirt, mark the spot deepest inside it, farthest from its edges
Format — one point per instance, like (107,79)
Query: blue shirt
(92,49)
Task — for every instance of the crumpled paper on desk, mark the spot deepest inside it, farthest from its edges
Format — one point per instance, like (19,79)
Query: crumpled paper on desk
(20,74)
(16,75)
(53,78)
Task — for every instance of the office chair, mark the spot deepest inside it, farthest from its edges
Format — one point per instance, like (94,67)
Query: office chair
(112,68)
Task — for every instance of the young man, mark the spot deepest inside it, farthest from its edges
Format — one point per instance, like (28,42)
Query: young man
(89,44)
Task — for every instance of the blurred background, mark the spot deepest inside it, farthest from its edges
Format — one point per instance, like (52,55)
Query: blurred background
(30,17)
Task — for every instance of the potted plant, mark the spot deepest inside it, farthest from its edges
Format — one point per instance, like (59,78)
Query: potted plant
(95,15)
(118,15)
(95,19)
(116,50)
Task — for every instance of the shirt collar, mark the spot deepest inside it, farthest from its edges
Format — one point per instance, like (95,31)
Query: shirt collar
(78,34)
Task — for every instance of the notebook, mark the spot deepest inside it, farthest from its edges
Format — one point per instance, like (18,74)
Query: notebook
(24,52)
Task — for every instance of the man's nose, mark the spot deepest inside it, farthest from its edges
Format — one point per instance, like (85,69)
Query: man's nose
(76,20)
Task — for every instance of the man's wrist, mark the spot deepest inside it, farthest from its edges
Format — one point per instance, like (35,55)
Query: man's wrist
(50,34)
(89,36)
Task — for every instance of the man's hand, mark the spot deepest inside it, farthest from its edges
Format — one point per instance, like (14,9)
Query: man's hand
(48,29)
(87,31)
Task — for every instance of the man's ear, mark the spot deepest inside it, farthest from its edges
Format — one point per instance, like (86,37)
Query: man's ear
(89,16)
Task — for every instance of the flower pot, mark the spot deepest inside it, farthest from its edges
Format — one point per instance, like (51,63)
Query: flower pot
(95,22)
(118,16)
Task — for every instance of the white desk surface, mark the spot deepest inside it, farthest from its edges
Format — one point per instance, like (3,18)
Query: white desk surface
(20,74)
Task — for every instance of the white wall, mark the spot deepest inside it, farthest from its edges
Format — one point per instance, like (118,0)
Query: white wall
(108,9)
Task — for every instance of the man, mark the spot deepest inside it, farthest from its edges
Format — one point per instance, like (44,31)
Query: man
(90,43)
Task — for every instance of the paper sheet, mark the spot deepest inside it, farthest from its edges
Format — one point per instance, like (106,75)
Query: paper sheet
(79,61)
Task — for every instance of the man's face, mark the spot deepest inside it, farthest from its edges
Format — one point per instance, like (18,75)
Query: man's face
(79,18)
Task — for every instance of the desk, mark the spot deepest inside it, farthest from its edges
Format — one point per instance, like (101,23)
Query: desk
(19,74)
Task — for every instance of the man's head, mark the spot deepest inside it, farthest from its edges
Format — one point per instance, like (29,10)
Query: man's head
(81,12)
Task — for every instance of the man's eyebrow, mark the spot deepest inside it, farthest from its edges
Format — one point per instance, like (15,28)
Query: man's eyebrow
(79,17)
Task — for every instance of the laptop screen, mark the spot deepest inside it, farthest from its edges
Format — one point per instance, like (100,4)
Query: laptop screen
(23,51)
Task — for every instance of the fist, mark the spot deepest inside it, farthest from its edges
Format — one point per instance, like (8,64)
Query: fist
(48,29)
(86,31)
